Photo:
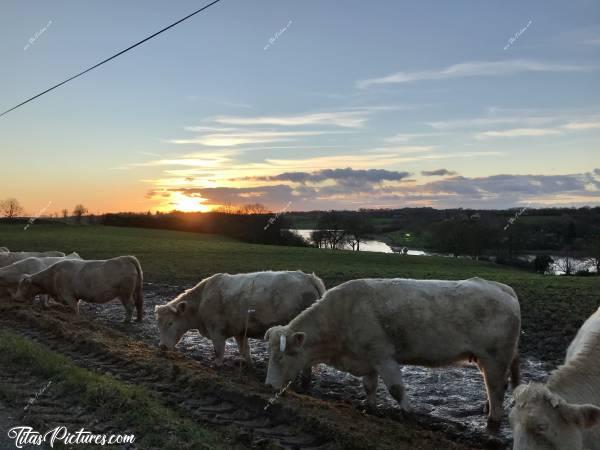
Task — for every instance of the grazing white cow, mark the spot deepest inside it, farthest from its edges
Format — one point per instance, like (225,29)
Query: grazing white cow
(10,276)
(369,327)
(92,281)
(242,305)
(7,258)
(565,412)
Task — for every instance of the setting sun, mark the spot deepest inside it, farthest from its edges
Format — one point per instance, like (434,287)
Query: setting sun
(184,203)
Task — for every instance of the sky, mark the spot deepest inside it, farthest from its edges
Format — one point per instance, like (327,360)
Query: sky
(318,104)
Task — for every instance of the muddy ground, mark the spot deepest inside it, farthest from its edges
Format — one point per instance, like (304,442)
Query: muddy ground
(447,399)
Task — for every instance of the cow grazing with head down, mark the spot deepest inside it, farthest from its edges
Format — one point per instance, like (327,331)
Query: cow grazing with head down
(10,276)
(242,305)
(7,258)
(564,413)
(369,327)
(92,281)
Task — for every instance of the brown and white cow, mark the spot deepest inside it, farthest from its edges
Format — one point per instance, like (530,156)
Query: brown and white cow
(98,281)
(370,327)
(564,413)
(242,305)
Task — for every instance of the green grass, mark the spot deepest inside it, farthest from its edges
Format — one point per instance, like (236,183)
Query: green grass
(113,401)
(182,257)
(553,307)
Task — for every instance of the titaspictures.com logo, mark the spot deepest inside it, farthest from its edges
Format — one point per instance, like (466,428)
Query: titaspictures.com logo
(28,436)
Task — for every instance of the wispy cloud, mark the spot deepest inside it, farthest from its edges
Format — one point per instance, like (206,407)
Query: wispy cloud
(582,125)
(247,137)
(473,69)
(517,132)
(489,121)
(405,137)
(346,119)
(437,173)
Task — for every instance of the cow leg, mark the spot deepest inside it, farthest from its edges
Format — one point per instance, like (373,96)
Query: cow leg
(70,301)
(391,373)
(219,345)
(128,304)
(244,348)
(45,300)
(370,384)
(494,375)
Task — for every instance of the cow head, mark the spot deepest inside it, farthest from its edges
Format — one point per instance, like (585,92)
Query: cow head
(27,290)
(173,322)
(542,420)
(287,355)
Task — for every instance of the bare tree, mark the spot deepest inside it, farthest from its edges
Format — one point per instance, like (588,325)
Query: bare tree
(358,228)
(594,248)
(331,224)
(226,208)
(253,208)
(11,208)
(79,211)
(317,237)
(65,213)
(565,264)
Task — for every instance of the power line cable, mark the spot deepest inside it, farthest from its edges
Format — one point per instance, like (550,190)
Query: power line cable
(108,59)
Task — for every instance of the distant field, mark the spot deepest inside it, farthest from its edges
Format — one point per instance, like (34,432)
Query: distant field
(553,307)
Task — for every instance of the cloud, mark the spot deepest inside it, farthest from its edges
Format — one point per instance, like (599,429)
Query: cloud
(472,69)
(247,137)
(582,125)
(353,189)
(344,119)
(437,173)
(405,137)
(488,121)
(347,174)
(518,132)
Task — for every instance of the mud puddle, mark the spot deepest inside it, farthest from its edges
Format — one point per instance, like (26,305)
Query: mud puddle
(449,399)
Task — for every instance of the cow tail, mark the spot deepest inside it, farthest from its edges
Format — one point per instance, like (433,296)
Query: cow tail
(138,293)
(515,371)
(318,284)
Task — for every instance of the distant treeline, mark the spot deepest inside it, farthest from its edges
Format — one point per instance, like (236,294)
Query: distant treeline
(255,228)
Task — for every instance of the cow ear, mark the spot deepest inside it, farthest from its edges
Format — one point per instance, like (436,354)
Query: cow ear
(181,307)
(585,416)
(268,333)
(298,339)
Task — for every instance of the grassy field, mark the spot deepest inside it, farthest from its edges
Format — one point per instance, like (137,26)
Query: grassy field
(553,307)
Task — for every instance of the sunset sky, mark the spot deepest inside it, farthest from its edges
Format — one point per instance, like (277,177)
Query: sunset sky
(315,104)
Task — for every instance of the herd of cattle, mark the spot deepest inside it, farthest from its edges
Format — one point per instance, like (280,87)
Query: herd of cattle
(367,327)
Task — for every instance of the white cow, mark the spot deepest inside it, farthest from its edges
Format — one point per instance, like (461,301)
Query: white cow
(242,305)
(10,276)
(7,258)
(370,327)
(92,281)
(565,412)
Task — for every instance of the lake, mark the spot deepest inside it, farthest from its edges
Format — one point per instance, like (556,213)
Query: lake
(372,245)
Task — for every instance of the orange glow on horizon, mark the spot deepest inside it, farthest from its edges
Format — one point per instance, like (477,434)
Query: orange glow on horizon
(181,202)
